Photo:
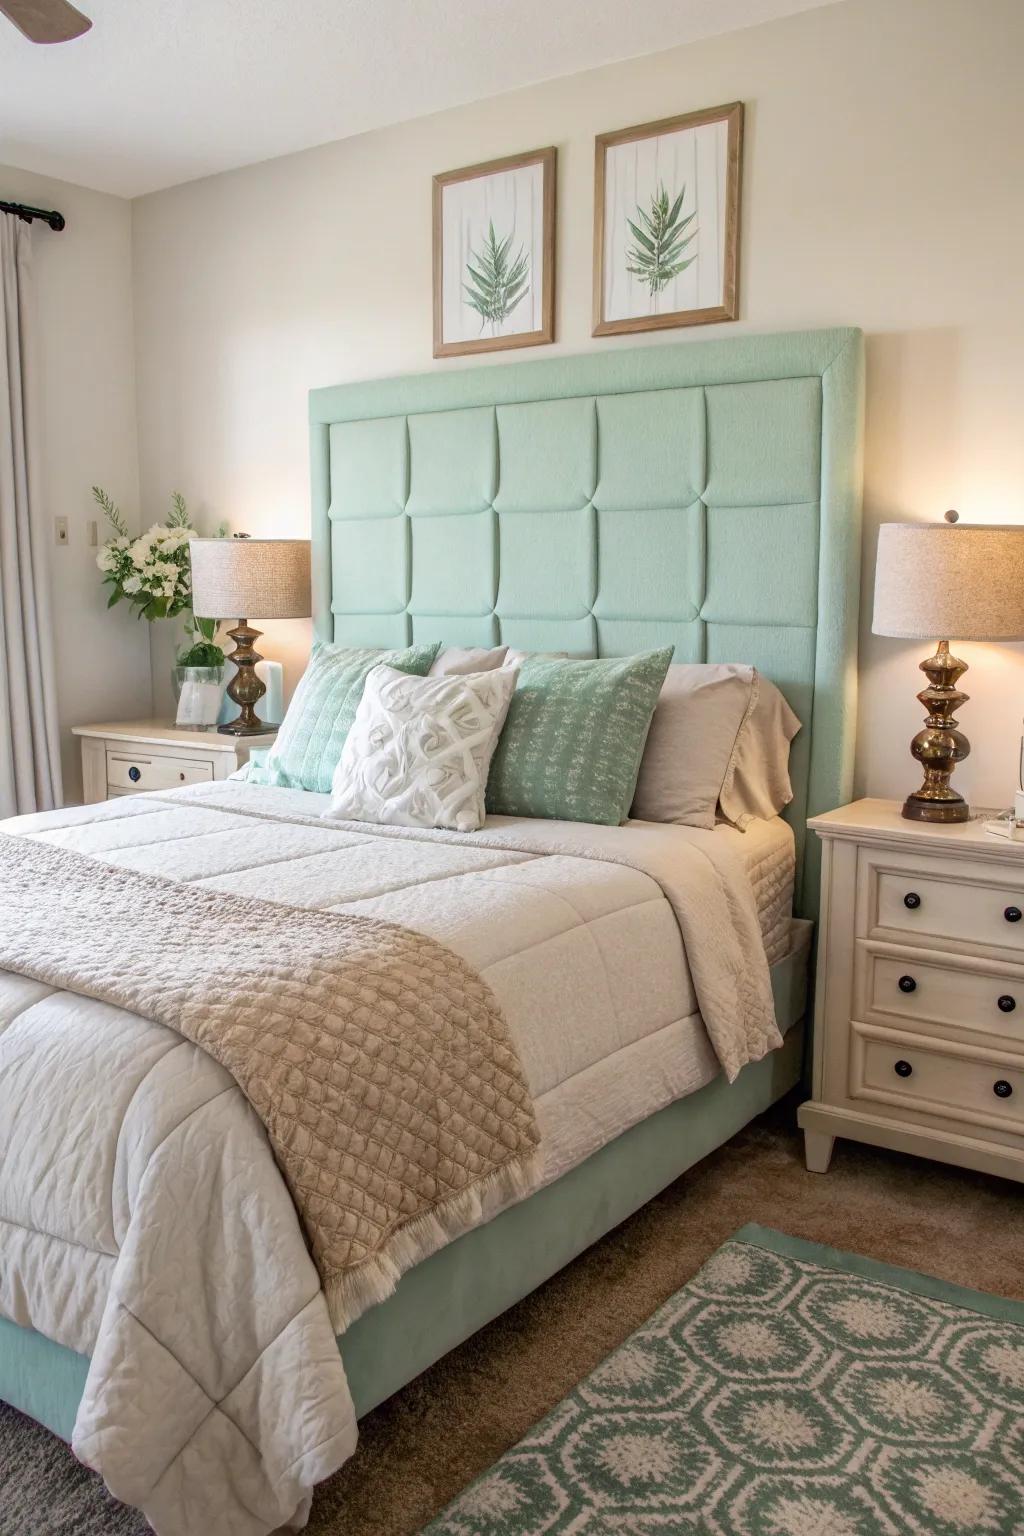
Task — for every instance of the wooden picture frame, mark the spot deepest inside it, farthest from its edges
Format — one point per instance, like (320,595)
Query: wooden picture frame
(661,182)
(495,220)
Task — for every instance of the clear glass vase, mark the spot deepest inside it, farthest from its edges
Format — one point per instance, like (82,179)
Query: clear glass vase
(198,692)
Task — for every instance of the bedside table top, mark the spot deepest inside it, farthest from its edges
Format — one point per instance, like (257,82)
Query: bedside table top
(881,821)
(161,733)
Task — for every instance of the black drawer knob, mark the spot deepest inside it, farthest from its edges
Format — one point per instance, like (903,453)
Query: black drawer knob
(1007,1003)
(912,900)
(1012,914)
(135,774)
(908,984)
(1002,1089)
(903,1069)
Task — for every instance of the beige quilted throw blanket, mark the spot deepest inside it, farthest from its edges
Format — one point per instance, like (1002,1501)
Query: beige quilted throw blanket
(377,1060)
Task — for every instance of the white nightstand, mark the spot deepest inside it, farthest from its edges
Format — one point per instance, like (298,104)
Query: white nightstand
(128,758)
(919,1015)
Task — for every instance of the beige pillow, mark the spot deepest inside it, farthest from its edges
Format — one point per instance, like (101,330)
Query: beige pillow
(758,782)
(456,661)
(720,732)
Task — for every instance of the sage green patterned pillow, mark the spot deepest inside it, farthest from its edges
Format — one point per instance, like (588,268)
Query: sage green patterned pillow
(574,737)
(320,715)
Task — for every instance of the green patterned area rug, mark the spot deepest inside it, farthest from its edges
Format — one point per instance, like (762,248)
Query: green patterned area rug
(787,1390)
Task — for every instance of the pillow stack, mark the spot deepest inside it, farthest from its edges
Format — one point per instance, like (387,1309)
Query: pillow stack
(425,737)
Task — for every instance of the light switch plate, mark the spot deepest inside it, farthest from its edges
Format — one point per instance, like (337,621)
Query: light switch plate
(61,527)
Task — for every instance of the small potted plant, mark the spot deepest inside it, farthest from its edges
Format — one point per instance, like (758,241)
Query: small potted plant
(198,675)
(153,574)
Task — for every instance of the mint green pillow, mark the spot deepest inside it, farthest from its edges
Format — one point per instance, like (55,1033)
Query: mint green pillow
(574,737)
(255,770)
(322,710)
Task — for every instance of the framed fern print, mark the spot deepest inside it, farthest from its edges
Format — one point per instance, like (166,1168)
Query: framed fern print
(666,222)
(494,255)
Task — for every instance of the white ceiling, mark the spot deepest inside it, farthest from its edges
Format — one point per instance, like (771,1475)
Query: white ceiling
(162,91)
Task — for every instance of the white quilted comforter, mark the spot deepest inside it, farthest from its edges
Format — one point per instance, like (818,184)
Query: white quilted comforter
(143,1221)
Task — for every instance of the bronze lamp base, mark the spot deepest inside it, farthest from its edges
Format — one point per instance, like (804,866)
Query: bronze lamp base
(245,687)
(940,746)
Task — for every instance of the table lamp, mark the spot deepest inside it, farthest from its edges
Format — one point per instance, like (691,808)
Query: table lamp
(268,578)
(964,581)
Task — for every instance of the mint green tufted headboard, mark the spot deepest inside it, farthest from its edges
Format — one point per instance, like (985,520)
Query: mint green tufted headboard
(704,494)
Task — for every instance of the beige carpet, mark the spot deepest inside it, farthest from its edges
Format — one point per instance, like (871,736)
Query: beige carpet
(420,1448)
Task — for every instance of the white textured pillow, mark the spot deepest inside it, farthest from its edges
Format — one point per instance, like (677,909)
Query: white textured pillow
(420,748)
(718,744)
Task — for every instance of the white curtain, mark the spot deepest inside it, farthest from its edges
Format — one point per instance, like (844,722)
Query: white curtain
(29,738)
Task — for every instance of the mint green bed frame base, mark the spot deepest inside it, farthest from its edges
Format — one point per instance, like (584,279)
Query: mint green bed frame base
(705,495)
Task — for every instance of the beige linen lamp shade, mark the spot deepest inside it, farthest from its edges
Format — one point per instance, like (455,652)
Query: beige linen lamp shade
(943,581)
(254,578)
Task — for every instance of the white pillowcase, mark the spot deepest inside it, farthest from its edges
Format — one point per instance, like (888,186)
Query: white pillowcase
(420,749)
(481,658)
(456,660)
(516,658)
(718,745)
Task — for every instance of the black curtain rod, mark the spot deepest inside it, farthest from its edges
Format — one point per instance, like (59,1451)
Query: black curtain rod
(23,211)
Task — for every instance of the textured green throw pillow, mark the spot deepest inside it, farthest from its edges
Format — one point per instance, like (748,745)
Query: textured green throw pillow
(574,737)
(321,713)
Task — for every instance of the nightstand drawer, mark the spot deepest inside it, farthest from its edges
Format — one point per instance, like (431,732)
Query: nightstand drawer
(132,773)
(955,1083)
(891,988)
(916,899)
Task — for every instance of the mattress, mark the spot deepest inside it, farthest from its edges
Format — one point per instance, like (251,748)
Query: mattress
(767,851)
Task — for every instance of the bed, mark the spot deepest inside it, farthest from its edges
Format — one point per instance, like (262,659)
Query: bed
(702,495)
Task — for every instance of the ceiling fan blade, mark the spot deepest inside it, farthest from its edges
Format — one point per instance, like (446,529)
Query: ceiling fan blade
(46,21)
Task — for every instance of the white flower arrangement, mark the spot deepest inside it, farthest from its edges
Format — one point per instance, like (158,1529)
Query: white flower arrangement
(153,573)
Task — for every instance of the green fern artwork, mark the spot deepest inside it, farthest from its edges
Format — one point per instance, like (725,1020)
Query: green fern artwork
(497,280)
(660,238)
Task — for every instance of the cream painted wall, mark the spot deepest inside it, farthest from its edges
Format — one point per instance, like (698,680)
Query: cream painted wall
(882,188)
(87,436)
